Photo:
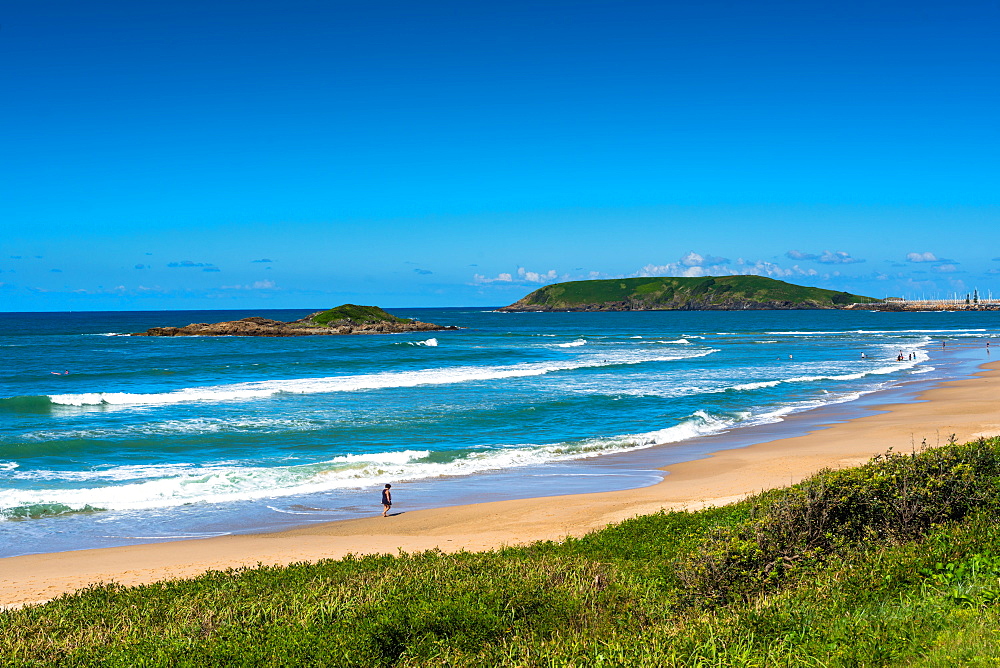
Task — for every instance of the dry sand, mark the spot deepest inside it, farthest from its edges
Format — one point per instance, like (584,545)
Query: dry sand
(966,408)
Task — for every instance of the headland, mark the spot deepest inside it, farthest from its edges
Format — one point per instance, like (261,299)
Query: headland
(668,293)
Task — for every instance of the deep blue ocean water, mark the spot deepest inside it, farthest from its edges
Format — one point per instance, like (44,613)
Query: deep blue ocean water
(108,439)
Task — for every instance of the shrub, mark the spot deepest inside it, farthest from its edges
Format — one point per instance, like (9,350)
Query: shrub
(895,497)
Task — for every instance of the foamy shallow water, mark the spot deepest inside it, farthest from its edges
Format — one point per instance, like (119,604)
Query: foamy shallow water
(146,438)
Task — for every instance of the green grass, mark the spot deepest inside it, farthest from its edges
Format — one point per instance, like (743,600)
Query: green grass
(356,314)
(893,563)
(672,292)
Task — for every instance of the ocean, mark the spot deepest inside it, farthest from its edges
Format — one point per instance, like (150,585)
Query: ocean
(107,439)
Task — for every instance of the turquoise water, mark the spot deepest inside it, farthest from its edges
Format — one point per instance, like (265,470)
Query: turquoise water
(108,439)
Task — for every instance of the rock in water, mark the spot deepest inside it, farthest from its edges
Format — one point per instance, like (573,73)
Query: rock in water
(345,319)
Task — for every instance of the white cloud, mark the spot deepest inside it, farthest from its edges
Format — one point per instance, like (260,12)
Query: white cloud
(534,277)
(500,278)
(826,257)
(256,285)
(690,267)
(837,257)
(692,259)
(946,268)
(671,269)
(521,276)
(921,257)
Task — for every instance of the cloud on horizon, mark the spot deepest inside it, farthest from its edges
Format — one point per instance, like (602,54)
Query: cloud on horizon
(256,285)
(521,276)
(945,269)
(693,265)
(826,257)
(838,257)
(929,257)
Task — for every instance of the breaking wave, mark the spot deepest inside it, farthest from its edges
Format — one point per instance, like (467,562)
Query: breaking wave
(352,383)
(162,486)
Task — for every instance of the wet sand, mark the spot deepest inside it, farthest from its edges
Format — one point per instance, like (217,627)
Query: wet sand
(966,408)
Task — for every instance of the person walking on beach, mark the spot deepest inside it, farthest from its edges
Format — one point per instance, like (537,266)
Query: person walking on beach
(386,500)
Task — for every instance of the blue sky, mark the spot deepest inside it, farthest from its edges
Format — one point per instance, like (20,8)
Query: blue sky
(169,155)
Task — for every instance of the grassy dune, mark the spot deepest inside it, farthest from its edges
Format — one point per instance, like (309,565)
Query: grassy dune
(894,562)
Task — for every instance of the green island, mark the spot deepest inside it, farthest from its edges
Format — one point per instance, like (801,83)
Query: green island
(895,562)
(708,293)
(344,319)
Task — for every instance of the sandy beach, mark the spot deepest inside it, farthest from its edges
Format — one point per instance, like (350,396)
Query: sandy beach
(966,408)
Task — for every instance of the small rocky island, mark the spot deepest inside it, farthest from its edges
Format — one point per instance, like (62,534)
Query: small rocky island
(346,319)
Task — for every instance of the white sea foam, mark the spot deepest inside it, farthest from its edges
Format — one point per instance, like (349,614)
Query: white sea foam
(190,426)
(432,342)
(572,344)
(919,356)
(291,512)
(147,487)
(185,484)
(843,332)
(108,475)
(180,536)
(757,385)
(390,379)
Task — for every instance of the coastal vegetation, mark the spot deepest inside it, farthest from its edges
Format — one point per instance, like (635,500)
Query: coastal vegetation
(353,314)
(727,293)
(893,562)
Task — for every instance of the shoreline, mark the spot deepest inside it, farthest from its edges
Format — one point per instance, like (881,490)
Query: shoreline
(961,407)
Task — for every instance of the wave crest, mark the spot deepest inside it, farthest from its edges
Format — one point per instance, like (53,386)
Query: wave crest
(267,388)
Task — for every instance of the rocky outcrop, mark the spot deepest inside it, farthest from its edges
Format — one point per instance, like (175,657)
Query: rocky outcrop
(306,327)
